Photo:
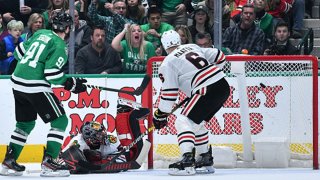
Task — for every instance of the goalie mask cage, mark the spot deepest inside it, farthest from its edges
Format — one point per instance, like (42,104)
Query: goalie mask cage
(282,97)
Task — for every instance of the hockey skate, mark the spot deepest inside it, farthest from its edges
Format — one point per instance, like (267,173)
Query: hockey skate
(9,165)
(54,167)
(204,165)
(185,167)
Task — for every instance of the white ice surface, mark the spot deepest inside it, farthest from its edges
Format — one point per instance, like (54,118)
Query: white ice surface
(221,174)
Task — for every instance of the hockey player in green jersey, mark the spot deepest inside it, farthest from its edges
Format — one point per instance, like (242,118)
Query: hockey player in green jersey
(40,60)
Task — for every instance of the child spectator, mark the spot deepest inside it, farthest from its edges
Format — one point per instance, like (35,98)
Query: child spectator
(134,50)
(7,46)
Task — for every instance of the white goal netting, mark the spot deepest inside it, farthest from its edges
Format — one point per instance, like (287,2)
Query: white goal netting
(282,103)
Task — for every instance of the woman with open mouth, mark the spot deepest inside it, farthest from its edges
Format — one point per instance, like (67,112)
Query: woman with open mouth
(134,50)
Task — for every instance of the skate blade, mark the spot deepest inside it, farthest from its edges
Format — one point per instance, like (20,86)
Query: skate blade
(58,173)
(5,171)
(188,171)
(205,170)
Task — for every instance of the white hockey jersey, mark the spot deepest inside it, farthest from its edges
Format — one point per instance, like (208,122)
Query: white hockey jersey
(188,68)
(107,149)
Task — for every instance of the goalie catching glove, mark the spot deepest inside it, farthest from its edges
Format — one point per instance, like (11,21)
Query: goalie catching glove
(75,85)
(160,119)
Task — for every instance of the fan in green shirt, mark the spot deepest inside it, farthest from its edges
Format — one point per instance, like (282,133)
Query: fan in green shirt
(155,27)
(134,50)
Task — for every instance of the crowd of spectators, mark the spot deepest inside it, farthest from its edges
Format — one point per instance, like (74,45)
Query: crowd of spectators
(119,36)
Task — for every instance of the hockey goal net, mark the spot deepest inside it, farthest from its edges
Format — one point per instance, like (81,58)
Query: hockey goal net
(282,97)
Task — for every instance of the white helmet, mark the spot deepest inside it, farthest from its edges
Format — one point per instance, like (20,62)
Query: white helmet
(170,39)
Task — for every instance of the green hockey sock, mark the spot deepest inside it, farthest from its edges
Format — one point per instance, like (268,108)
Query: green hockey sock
(56,135)
(19,136)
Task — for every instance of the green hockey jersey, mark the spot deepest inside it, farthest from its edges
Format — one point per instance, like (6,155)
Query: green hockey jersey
(40,62)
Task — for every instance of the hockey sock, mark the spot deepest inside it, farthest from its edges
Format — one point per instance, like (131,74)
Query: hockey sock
(202,139)
(19,136)
(56,135)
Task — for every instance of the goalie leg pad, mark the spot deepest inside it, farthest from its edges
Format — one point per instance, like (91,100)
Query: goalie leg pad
(122,125)
(128,127)
(136,122)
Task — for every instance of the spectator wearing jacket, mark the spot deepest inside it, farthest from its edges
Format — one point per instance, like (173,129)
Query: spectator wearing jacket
(7,46)
(98,57)
(281,44)
(245,34)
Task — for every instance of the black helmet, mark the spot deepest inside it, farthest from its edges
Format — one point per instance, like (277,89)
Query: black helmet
(60,21)
(93,133)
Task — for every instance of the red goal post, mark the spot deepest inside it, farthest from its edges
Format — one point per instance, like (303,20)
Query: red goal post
(282,94)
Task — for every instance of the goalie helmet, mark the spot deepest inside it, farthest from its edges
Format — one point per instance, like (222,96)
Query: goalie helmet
(60,21)
(170,39)
(94,134)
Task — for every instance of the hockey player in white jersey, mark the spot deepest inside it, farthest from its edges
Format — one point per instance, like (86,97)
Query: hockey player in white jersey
(198,73)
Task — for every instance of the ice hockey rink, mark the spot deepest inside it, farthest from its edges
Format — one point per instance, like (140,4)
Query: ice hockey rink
(220,174)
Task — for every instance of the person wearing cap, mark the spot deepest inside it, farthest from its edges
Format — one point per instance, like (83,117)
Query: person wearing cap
(201,22)
(197,72)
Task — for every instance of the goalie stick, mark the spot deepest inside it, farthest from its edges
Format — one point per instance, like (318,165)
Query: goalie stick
(136,92)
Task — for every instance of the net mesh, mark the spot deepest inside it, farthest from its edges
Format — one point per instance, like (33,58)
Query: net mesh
(279,99)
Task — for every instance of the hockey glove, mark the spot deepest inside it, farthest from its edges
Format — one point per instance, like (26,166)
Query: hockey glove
(75,85)
(160,119)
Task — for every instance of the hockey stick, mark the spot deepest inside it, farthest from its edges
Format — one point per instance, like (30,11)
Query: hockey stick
(136,92)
